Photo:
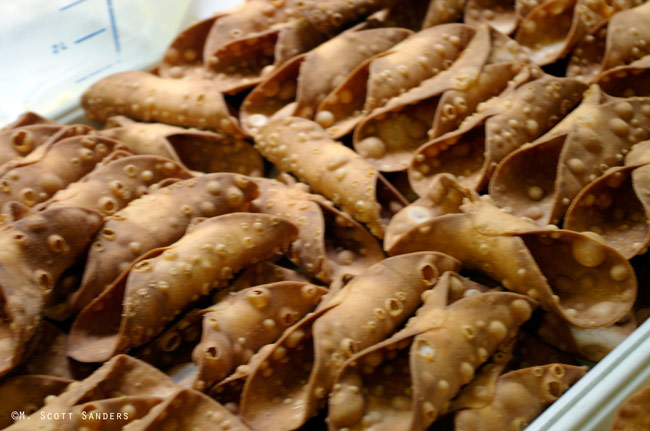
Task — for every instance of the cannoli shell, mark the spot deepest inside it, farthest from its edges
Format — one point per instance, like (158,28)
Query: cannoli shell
(274,97)
(594,137)
(35,252)
(620,41)
(165,281)
(633,413)
(336,14)
(473,150)
(157,220)
(240,324)
(254,17)
(427,367)
(27,394)
(349,181)
(198,150)
(146,97)
(111,186)
(305,360)
(586,282)
(405,66)
(42,173)
(520,397)
(119,378)
(314,75)
(554,27)
(242,63)
(443,11)
(184,56)
(482,68)
(330,243)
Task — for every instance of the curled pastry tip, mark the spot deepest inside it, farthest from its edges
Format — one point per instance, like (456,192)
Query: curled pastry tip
(559,164)
(560,268)
(472,151)
(614,209)
(330,243)
(198,150)
(246,44)
(445,196)
(301,84)
(184,55)
(27,133)
(470,66)
(617,82)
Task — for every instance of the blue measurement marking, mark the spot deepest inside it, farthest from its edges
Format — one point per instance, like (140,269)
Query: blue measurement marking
(72,4)
(116,36)
(101,69)
(88,36)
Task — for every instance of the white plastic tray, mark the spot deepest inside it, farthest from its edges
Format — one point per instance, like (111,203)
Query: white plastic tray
(590,405)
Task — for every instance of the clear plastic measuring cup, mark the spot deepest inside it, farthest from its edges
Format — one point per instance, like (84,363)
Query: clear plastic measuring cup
(54,49)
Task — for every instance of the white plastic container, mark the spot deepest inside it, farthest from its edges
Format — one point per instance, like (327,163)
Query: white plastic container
(57,48)
(54,49)
(591,404)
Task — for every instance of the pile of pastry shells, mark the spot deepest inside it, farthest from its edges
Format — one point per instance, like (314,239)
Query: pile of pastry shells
(343,214)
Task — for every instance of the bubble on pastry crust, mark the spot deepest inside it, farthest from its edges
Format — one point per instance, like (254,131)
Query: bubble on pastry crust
(535,193)
(325,118)
(498,330)
(521,310)
(259,297)
(371,147)
(619,272)
(466,372)
(425,350)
